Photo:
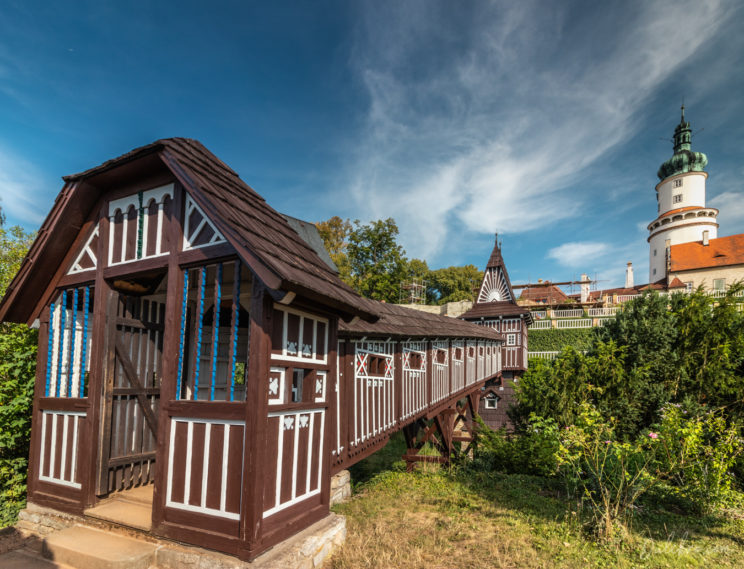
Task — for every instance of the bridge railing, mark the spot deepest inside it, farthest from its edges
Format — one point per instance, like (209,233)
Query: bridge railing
(386,384)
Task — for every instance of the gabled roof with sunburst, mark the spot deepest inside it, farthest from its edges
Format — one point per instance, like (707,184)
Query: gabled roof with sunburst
(495,296)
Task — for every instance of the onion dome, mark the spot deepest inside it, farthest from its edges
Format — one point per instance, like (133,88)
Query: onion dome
(684,159)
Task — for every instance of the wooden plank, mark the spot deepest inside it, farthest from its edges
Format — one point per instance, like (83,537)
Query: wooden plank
(131,374)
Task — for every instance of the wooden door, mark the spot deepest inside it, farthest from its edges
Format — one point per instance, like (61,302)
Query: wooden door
(132,394)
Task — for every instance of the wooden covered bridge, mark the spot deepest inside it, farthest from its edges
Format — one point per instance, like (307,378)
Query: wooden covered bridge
(191,342)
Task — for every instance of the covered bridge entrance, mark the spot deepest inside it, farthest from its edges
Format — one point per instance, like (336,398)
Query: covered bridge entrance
(193,347)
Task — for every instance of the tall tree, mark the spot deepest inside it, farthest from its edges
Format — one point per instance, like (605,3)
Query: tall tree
(453,283)
(377,261)
(335,234)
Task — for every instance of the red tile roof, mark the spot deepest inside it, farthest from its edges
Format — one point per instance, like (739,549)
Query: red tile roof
(720,252)
(549,294)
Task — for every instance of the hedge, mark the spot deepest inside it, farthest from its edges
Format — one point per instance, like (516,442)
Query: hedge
(554,340)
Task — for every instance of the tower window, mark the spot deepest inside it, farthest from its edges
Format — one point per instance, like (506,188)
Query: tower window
(654,271)
(677,198)
(654,252)
(678,183)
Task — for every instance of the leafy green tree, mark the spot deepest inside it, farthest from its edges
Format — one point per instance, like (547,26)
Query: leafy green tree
(335,234)
(378,263)
(658,350)
(453,283)
(17,370)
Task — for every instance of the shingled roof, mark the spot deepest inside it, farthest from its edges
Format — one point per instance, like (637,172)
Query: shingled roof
(401,321)
(261,236)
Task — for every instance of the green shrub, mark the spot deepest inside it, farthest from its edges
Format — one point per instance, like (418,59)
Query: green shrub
(532,452)
(699,451)
(554,340)
(17,371)
(606,475)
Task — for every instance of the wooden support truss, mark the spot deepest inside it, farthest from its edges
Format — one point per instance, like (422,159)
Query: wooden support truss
(443,437)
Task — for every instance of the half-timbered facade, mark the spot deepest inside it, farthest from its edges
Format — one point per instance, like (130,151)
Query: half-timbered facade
(191,342)
(496,307)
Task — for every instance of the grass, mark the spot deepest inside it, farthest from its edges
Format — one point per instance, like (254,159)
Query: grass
(460,518)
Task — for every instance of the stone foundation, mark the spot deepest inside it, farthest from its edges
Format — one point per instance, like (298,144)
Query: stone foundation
(340,487)
(308,549)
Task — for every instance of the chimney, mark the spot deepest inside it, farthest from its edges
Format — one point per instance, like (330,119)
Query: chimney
(706,241)
(584,288)
(629,275)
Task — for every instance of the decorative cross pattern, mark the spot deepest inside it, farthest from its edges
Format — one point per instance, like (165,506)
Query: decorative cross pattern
(274,386)
(307,350)
(291,348)
(288,423)
(303,421)
(361,363)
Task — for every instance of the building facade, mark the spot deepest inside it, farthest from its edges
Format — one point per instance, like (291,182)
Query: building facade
(496,307)
(680,196)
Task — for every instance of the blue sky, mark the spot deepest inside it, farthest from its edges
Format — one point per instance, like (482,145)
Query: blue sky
(544,121)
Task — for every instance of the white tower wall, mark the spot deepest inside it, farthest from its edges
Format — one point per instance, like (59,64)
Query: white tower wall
(689,187)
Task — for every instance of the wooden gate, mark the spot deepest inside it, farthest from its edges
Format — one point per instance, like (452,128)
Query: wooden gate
(132,393)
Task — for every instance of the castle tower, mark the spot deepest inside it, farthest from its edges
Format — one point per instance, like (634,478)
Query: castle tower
(680,196)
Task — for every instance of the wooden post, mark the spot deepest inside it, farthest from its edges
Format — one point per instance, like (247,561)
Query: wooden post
(92,447)
(251,509)
(169,379)
(39,386)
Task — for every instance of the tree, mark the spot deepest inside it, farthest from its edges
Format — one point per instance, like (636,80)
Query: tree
(679,349)
(378,264)
(453,283)
(18,346)
(335,234)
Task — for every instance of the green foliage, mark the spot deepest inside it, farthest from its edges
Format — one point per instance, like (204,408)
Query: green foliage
(699,450)
(657,350)
(371,261)
(14,242)
(452,284)
(606,475)
(554,340)
(335,234)
(532,452)
(18,347)
(377,262)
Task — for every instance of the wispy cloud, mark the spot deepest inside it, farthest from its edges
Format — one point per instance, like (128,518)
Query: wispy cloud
(20,188)
(486,119)
(577,254)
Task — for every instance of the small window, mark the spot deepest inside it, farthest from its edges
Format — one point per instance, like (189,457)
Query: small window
(654,272)
(688,286)
(654,252)
(677,198)
(297,381)
(678,183)
(719,284)
(491,402)
(511,339)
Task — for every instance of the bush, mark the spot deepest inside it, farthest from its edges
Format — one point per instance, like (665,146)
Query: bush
(607,476)
(17,371)
(532,452)
(699,451)
(556,339)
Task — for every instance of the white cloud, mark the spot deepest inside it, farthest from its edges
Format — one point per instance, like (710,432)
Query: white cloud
(20,190)
(578,254)
(488,118)
(731,209)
